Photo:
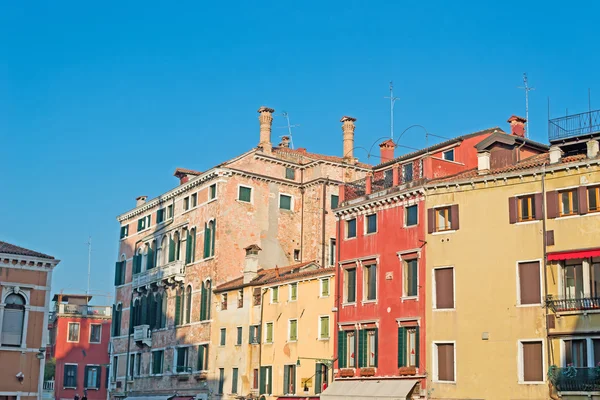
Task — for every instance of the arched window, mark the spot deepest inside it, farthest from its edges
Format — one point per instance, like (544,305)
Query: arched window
(209,238)
(188,305)
(164,250)
(13,321)
(136,313)
(178,306)
(116,320)
(176,246)
(190,253)
(163,314)
(205,301)
(157,311)
(151,255)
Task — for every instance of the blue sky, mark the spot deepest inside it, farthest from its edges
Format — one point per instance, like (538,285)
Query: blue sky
(100,102)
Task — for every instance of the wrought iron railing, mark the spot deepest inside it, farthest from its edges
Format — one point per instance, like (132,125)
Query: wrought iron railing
(572,379)
(574,125)
(77,309)
(574,304)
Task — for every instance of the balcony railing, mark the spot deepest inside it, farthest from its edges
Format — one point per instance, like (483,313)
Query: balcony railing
(574,125)
(574,304)
(573,379)
(83,310)
(172,270)
(49,385)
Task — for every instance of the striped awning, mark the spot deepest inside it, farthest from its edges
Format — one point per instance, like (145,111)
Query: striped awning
(393,389)
(573,254)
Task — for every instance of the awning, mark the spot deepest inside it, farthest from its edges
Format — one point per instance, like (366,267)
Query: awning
(396,389)
(572,254)
(166,397)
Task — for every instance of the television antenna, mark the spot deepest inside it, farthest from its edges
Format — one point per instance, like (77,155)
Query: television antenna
(89,244)
(527,90)
(392,101)
(289,128)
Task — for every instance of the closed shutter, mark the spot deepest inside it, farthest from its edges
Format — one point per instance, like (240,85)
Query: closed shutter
(114,320)
(262,385)
(171,250)
(417,346)
(213,237)
(163,314)
(325,287)
(362,348)
(444,288)
(550,238)
(208,300)
(582,197)
(454,217)
(188,249)
(318,384)
(286,379)
(512,210)
(401,347)
(532,362)
(144,319)
(552,204)
(234,381)
(351,274)
(206,241)
(203,303)
(12,326)
(341,349)
(152,312)
(529,283)
(376,349)
(373,282)
(258,333)
(177,309)
(150,258)
(118,266)
(538,199)
(123,271)
(98,377)
(430,220)
(86,371)
(412,264)
(445,354)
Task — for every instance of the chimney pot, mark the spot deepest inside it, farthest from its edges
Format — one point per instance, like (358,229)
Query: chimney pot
(555,154)
(386,151)
(592,148)
(140,201)
(483,162)
(517,125)
(266,121)
(348,138)
(285,142)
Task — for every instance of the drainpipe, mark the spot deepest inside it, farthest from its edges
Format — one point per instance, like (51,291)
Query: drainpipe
(302,215)
(130,320)
(337,287)
(323,222)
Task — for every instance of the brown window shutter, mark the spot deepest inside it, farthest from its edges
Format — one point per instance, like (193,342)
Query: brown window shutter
(444,288)
(538,200)
(529,282)
(552,204)
(512,210)
(550,238)
(551,322)
(532,362)
(430,220)
(445,353)
(455,221)
(582,198)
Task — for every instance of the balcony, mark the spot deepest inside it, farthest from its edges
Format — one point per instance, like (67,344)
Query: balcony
(142,335)
(173,271)
(574,126)
(574,304)
(82,310)
(573,379)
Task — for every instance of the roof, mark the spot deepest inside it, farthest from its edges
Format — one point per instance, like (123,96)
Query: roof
(498,137)
(303,157)
(275,275)
(65,297)
(184,171)
(8,248)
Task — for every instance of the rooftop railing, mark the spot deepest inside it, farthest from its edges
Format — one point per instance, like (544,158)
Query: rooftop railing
(574,125)
(572,379)
(76,309)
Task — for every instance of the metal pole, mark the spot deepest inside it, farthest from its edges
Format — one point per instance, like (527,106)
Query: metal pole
(392,100)
(89,266)
(590,107)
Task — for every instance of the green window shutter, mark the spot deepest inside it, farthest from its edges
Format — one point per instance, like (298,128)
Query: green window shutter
(402,347)
(177,309)
(85,377)
(341,349)
(188,249)
(134,264)
(213,237)
(123,271)
(203,303)
(258,327)
(417,346)
(144,319)
(413,280)
(149,259)
(326,287)
(200,357)
(118,273)
(362,348)
(206,241)
(163,313)
(114,320)
(208,300)
(318,378)
(171,250)
(262,386)
(376,345)
(98,379)
(286,378)
(351,285)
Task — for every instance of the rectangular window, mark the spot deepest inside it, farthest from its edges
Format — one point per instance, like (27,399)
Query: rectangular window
(115,368)
(224,301)
(194,199)
(324,287)
(202,362)
(289,379)
(568,202)
(371,223)
(143,224)
(529,283)
(350,285)
(223,336)
(370,282)
(275,294)
(221,380)
(240,298)
(324,327)
(573,281)
(593,198)
(411,346)
(239,336)
(410,278)
(160,215)
(444,354)
(595,282)
(245,194)
(131,365)
(575,353)
(332,251)
(293,291)
(293,329)
(70,376)
(186,203)
(256,297)
(285,202)
(170,211)
(266,380)
(73,332)
(526,208)
(448,155)
(234,381)
(269,335)
(444,288)
(531,355)
(335,201)
(157,362)
(443,219)
(124,231)
(371,348)
(351,228)
(138,364)
(255,334)
(350,349)
(182,360)
(212,191)
(407,172)
(290,173)
(255,378)
(412,215)
(296,254)
(95,333)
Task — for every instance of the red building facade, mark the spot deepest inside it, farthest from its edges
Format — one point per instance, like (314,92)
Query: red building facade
(79,337)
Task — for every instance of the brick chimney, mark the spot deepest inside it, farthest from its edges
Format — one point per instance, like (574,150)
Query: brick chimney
(266,121)
(140,201)
(386,151)
(517,126)
(251,263)
(285,142)
(348,137)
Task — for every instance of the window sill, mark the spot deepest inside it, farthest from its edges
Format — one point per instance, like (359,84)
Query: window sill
(532,383)
(528,222)
(447,382)
(208,258)
(70,387)
(568,216)
(444,232)
(292,341)
(368,302)
(268,343)
(444,309)
(353,304)
(211,200)
(411,226)
(243,202)
(406,298)
(350,238)
(324,296)
(324,339)
(529,305)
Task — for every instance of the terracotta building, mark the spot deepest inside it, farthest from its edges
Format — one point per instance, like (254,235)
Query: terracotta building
(79,341)
(25,280)
(174,249)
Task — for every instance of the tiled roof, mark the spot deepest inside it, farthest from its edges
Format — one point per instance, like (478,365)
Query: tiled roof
(8,248)
(303,157)
(185,171)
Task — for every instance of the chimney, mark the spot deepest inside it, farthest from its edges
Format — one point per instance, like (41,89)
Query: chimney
(386,151)
(140,201)
(592,148)
(251,263)
(285,142)
(555,154)
(348,129)
(517,126)
(483,162)
(266,120)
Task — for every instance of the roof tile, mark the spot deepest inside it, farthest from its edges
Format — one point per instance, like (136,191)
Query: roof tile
(8,248)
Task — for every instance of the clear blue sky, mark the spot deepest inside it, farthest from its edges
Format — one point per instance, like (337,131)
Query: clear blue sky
(101,101)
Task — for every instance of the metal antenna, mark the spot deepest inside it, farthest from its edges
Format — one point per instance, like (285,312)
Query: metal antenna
(89,243)
(527,90)
(392,101)
(289,128)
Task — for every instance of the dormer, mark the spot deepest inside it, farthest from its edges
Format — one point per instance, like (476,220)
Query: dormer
(504,150)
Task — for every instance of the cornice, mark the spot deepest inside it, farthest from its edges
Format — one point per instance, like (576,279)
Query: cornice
(311,163)
(383,202)
(8,260)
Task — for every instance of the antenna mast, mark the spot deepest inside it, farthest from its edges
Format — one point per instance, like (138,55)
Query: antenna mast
(89,243)
(527,90)
(289,127)
(392,101)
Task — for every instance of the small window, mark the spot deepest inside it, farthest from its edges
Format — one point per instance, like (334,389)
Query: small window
(290,173)
(170,212)
(157,362)
(448,155)
(275,294)
(444,288)
(95,333)
(289,379)
(526,208)
(370,282)
(334,201)
(325,287)
(224,301)
(593,198)
(255,334)
(256,297)
(115,367)
(124,231)
(293,291)
(350,287)
(255,378)
(212,191)
(351,349)
(529,283)
(568,202)
(138,364)
(186,203)
(240,298)
(411,347)
(239,336)
(269,334)
(234,381)
(73,332)
(221,380)
(194,199)
(324,327)
(202,360)
(332,251)
(91,379)
(410,278)
(245,194)
(296,254)
(444,360)
(285,202)
(351,228)
(70,376)
(182,360)
(160,215)
(407,172)
(532,358)
(142,224)
(412,215)
(293,330)
(443,216)
(371,223)
(371,348)
(223,336)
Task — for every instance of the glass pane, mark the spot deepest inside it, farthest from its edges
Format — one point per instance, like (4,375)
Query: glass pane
(595,281)
(411,342)
(371,349)
(442,219)
(350,350)
(371,223)
(285,202)
(411,215)
(351,225)
(408,172)
(592,199)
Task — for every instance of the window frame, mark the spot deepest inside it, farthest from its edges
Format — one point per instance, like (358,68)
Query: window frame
(290,293)
(186,367)
(100,335)
(448,151)
(366,267)
(347,231)
(531,205)
(291,202)
(405,270)
(238,199)
(222,337)
(162,362)
(408,166)
(289,336)
(239,335)
(274,299)
(366,224)
(69,332)
(521,361)
(271,324)
(337,201)
(212,192)
(539,261)
(321,317)
(434,289)
(406,224)
(290,173)
(573,202)
(596,189)
(321,281)
(65,365)
(346,290)
(169,211)
(186,203)
(434,354)
(448,217)
(97,382)
(124,232)
(349,350)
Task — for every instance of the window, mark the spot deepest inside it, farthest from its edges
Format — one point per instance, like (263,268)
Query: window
(408,346)
(138,364)
(234,381)
(371,224)
(443,219)
(13,320)
(169,211)
(266,380)
(240,298)
(289,379)
(407,172)
(186,203)
(255,334)
(293,291)
(285,202)
(245,194)
(160,215)
(576,353)
(144,223)
(269,335)
(209,238)
(107,377)
(531,362)
(593,198)
(351,228)
(573,281)
(350,349)
(212,191)
(529,283)
(335,200)
(293,330)
(324,327)
(73,332)
(370,282)
(448,155)
(350,286)
(223,336)
(290,173)
(194,200)
(205,301)
(157,362)
(275,294)
(410,278)
(95,333)
(188,305)
(443,288)
(115,367)
(371,348)
(321,377)
(412,215)
(120,268)
(255,378)
(91,377)
(190,246)
(124,231)
(182,359)
(116,320)
(70,376)
(324,287)
(332,251)
(202,363)
(568,202)
(224,301)
(256,296)
(296,254)
(444,362)
(221,380)
(526,208)
(239,336)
